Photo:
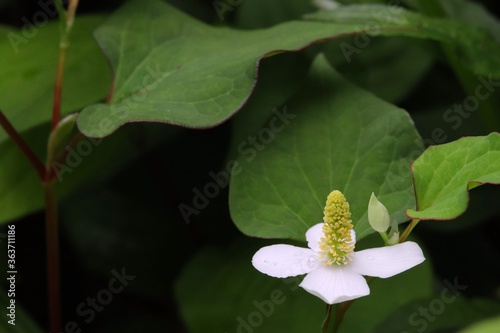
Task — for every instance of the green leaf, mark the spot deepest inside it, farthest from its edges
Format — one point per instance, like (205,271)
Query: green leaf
(172,68)
(27,83)
(331,135)
(378,67)
(473,13)
(60,136)
(476,48)
(444,174)
(487,326)
(280,77)
(269,305)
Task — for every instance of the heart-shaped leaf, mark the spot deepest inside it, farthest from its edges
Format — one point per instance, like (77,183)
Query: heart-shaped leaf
(444,174)
(172,68)
(331,135)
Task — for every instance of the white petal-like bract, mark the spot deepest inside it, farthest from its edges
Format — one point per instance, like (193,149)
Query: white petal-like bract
(284,260)
(314,235)
(335,284)
(387,261)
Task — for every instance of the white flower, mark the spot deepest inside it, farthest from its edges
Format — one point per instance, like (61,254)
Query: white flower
(334,271)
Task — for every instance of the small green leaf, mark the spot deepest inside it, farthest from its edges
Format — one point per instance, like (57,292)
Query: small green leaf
(444,174)
(60,137)
(331,135)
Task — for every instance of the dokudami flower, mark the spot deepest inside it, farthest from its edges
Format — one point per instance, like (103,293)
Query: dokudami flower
(335,272)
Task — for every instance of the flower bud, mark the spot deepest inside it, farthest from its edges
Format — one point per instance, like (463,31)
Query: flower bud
(378,216)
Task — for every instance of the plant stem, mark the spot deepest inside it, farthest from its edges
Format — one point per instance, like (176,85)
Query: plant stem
(51,219)
(52,240)
(18,140)
(408,230)
(63,47)
(70,18)
(56,109)
(326,323)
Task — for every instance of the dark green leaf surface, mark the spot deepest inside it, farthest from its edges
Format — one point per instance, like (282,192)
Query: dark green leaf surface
(449,310)
(337,137)
(444,174)
(476,48)
(473,13)
(27,82)
(378,67)
(263,13)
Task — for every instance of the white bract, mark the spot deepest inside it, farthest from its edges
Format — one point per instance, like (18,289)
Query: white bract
(334,270)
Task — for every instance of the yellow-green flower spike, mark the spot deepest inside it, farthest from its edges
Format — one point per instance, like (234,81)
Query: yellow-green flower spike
(337,243)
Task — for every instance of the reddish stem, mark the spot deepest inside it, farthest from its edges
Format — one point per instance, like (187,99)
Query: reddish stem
(111,92)
(56,110)
(52,240)
(73,5)
(18,140)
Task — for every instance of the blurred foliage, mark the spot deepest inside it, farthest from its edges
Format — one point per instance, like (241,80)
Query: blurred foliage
(119,204)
